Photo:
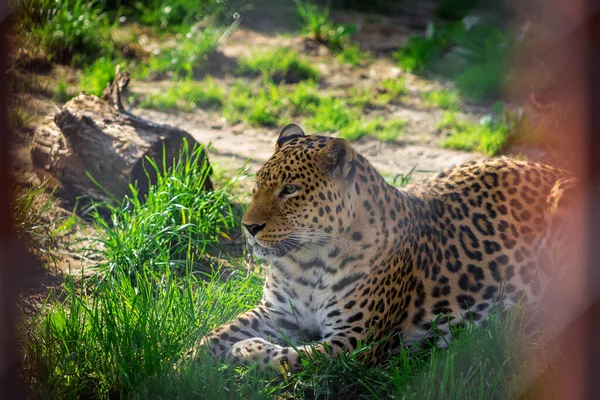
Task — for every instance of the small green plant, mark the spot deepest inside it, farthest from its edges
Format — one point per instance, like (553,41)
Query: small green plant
(314,18)
(186,95)
(446,99)
(97,75)
(280,64)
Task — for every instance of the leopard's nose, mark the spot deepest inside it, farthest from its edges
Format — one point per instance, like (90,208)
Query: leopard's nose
(253,229)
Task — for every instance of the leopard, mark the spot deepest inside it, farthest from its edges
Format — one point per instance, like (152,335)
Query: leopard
(352,259)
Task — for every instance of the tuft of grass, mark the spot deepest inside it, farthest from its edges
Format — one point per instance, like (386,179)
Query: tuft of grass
(390,90)
(490,136)
(386,131)
(175,221)
(446,99)
(304,96)
(358,128)
(66,30)
(330,115)
(238,104)
(318,25)
(280,64)
(389,131)
(186,95)
(97,75)
(352,55)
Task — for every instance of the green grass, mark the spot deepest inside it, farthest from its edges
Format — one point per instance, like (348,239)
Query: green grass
(389,91)
(490,136)
(317,24)
(187,94)
(177,220)
(304,96)
(474,56)
(193,47)
(68,31)
(386,131)
(330,114)
(280,64)
(352,55)
(97,75)
(446,99)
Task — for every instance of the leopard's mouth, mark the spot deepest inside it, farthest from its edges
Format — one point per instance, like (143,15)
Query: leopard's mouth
(277,250)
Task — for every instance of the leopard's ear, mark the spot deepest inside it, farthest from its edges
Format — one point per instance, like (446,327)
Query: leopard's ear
(336,160)
(288,133)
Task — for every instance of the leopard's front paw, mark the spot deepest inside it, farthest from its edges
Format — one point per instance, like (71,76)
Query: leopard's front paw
(267,355)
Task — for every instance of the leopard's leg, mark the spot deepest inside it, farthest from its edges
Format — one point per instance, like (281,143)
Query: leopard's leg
(285,358)
(253,324)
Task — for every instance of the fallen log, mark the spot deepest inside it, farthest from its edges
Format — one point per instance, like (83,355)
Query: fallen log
(97,137)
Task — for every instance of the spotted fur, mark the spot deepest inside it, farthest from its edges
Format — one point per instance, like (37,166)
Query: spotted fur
(353,258)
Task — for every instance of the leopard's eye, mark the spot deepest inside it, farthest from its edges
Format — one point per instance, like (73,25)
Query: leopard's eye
(288,190)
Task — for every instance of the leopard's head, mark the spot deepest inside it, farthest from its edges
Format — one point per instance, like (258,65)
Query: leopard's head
(302,194)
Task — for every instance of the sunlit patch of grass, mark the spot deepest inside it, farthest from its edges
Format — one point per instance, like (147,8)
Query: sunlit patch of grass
(489,136)
(239,101)
(330,114)
(280,64)
(97,75)
(358,128)
(390,90)
(352,55)
(186,95)
(265,108)
(304,96)
(389,131)
(446,99)
(360,97)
